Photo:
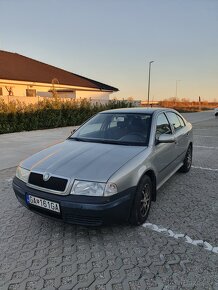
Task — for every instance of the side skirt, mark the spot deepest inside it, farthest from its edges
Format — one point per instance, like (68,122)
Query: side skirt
(170,175)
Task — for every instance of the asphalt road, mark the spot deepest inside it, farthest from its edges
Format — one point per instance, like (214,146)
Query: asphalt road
(177,248)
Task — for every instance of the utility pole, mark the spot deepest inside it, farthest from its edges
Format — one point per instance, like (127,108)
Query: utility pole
(177,87)
(199,101)
(149,79)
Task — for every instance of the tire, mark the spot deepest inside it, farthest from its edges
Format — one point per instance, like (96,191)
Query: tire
(142,202)
(187,163)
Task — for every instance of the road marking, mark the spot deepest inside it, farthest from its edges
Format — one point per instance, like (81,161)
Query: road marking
(207,147)
(9,179)
(205,168)
(206,136)
(211,128)
(207,246)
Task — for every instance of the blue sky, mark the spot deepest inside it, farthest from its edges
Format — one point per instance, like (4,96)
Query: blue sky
(113,41)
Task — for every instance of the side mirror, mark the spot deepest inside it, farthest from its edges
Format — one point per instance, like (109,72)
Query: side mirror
(166,138)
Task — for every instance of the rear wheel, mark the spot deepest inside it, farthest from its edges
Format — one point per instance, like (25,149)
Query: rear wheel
(187,163)
(142,202)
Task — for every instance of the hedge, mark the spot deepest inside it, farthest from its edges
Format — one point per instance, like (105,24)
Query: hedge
(52,113)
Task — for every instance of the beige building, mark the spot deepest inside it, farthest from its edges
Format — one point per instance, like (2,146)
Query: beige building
(29,81)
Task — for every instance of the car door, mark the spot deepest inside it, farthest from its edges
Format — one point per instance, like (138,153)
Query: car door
(181,135)
(164,153)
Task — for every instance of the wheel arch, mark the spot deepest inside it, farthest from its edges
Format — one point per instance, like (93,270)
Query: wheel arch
(151,174)
(191,144)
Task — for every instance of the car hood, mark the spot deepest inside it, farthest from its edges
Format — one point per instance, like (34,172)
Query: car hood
(82,160)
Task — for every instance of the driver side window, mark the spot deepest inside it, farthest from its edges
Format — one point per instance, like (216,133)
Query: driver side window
(163,126)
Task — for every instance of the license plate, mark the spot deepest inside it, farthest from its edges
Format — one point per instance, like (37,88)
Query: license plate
(41,202)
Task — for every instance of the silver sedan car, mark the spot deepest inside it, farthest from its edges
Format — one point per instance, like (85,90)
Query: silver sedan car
(108,170)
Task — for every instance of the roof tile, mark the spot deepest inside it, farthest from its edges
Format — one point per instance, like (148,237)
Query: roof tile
(17,67)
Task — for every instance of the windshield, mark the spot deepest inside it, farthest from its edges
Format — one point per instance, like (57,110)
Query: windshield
(116,128)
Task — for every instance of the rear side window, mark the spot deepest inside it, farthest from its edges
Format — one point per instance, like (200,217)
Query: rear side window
(181,121)
(163,126)
(175,120)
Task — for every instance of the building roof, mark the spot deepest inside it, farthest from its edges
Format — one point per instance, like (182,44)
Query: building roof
(17,67)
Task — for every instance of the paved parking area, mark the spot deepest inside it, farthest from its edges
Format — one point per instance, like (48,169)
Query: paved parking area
(177,248)
(15,147)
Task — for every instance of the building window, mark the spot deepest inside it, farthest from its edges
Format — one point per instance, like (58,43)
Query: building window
(1,92)
(30,93)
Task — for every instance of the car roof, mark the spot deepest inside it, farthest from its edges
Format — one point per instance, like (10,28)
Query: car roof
(137,110)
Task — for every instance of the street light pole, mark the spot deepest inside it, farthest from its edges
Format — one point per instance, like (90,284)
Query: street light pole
(149,79)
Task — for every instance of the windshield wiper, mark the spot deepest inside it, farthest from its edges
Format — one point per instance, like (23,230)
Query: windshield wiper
(78,139)
(102,141)
(111,142)
(115,142)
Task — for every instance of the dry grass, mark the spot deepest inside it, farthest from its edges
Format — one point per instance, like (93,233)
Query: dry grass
(188,106)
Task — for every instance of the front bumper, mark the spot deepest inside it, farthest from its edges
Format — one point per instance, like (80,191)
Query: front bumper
(81,210)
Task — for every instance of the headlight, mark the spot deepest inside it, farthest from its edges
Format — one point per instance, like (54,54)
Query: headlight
(91,188)
(22,174)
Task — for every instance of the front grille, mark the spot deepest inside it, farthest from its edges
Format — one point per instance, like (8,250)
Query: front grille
(54,183)
(83,220)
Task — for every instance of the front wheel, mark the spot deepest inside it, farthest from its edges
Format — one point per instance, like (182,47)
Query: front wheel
(142,202)
(187,163)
